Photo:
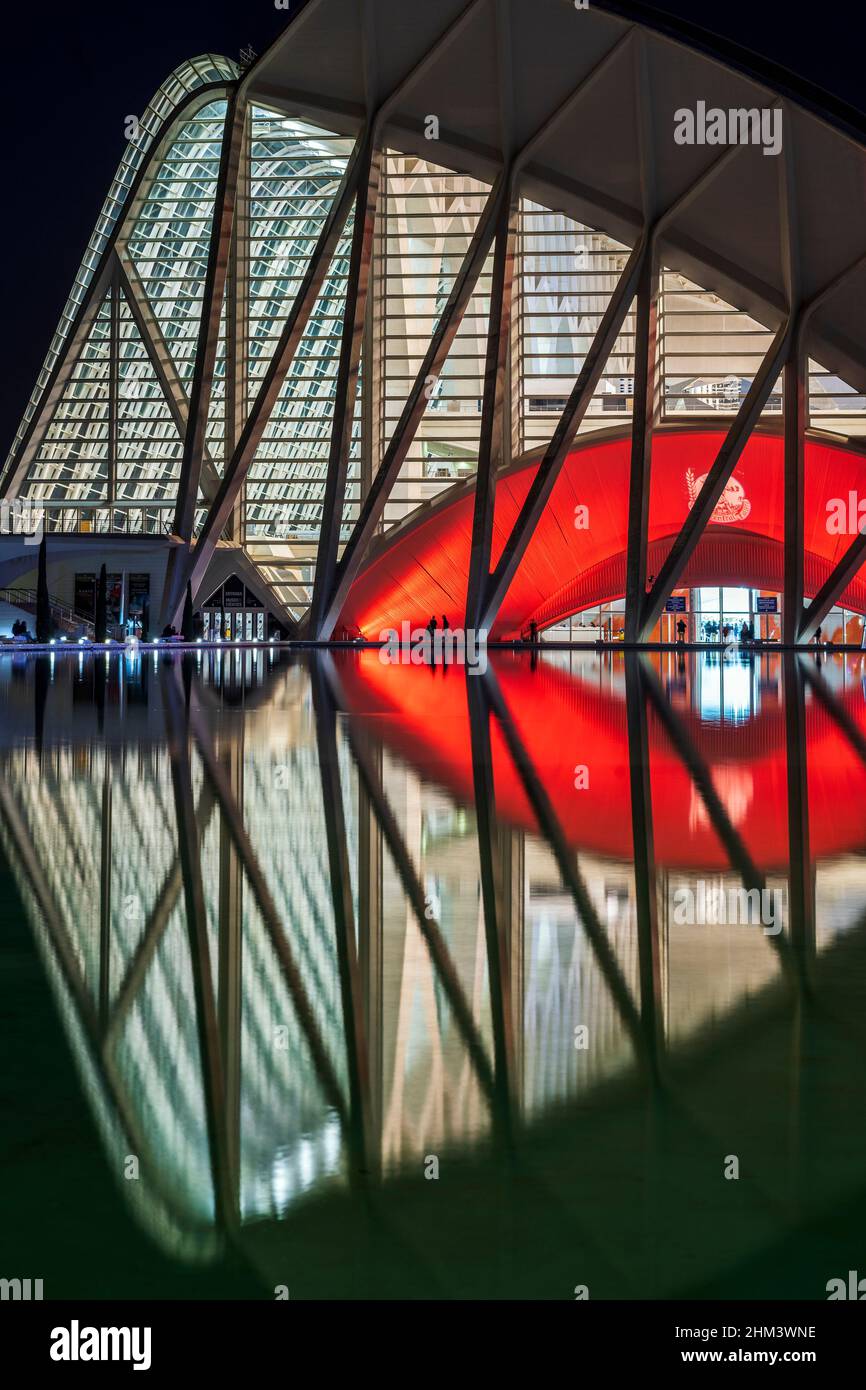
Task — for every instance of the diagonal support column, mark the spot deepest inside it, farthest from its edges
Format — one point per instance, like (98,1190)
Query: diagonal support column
(105,903)
(230,963)
(643,849)
(750,410)
(493,898)
(697,768)
(238,466)
(160,358)
(492,443)
(430,930)
(209,324)
(164,905)
(835,709)
(494,440)
(347,382)
(644,400)
(795,404)
(551,465)
(113,389)
(836,583)
(199,944)
(833,588)
(238,326)
(413,411)
(644,254)
(206,350)
(344,919)
(726,460)
(801,878)
(569,870)
(796,409)
(644,408)
(232,815)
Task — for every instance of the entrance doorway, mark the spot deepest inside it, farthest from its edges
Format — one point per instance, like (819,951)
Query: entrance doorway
(722,613)
(233,614)
(243,625)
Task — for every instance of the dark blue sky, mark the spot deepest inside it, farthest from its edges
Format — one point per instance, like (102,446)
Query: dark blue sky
(73,72)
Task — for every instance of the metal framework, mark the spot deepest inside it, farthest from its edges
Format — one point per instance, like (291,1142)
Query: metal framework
(226,371)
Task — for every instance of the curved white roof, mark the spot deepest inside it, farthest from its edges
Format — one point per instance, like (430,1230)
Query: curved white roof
(588,98)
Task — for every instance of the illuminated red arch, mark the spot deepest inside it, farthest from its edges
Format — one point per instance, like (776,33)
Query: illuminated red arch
(420,568)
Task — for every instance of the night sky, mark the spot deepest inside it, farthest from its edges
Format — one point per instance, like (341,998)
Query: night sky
(73,72)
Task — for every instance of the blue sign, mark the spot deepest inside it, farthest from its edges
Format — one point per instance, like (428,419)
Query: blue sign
(677,604)
(768,605)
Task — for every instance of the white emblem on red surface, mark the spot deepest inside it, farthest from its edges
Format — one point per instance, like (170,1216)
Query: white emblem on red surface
(736,790)
(733,505)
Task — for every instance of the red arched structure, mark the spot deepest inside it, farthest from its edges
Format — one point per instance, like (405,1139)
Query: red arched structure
(576,559)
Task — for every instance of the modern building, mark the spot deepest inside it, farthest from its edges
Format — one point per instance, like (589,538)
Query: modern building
(501,311)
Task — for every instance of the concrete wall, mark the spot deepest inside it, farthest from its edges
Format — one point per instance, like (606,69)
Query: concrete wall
(72,554)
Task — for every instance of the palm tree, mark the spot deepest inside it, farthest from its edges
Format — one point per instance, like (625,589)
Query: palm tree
(186,626)
(43,602)
(101,621)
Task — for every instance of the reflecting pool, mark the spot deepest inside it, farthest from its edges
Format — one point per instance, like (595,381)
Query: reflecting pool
(354,979)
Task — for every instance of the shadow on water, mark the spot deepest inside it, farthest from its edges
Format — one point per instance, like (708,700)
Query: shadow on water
(369,980)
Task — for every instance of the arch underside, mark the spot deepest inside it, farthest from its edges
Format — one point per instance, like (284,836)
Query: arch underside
(577,556)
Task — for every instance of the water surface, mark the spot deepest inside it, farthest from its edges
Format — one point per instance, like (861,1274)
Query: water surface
(366,980)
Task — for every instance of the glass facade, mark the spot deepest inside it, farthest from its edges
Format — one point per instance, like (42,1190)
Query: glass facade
(207,69)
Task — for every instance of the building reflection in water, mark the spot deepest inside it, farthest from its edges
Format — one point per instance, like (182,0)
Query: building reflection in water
(311,923)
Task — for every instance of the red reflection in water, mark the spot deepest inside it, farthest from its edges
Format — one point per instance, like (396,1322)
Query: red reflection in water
(566,721)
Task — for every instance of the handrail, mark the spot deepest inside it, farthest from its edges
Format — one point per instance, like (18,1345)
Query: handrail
(20,598)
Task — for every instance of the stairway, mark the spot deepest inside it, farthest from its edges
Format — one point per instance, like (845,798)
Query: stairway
(64,618)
